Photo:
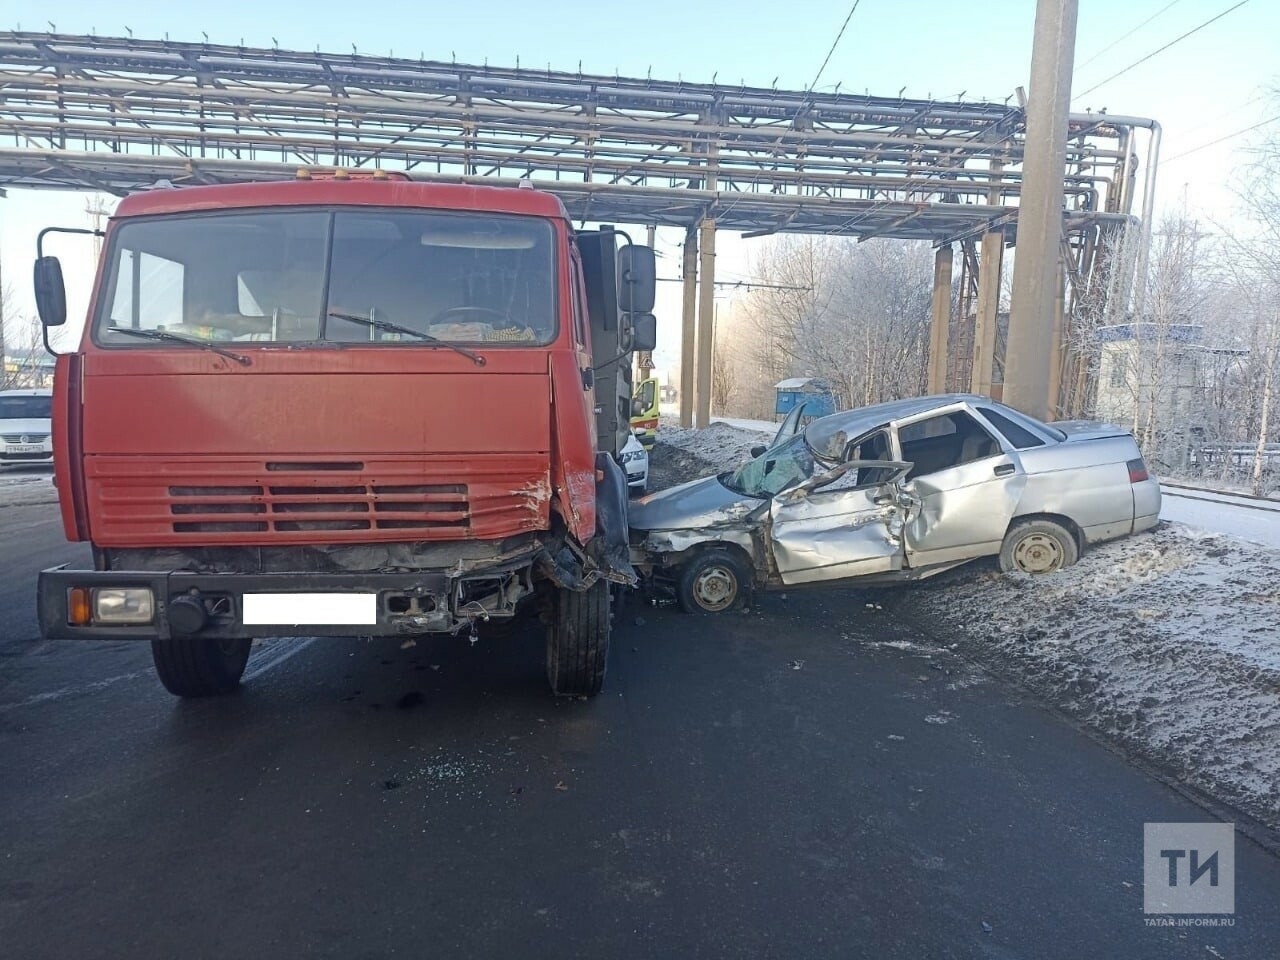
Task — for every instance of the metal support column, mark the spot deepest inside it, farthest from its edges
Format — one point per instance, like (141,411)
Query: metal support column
(941,320)
(706,318)
(990,257)
(1035,281)
(688,359)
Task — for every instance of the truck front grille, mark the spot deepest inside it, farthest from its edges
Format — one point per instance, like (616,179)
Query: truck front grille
(405,499)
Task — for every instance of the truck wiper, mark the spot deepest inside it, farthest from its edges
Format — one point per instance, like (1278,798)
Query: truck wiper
(168,337)
(396,328)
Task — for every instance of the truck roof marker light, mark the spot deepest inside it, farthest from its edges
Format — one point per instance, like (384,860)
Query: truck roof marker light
(303,174)
(78,610)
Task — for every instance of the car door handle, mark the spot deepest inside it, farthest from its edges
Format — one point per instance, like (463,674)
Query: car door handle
(1005,469)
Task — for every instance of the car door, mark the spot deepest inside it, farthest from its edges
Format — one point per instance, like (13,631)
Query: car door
(845,523)
(966,482)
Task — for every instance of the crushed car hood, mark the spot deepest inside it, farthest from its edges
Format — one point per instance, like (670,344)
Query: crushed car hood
(694,504)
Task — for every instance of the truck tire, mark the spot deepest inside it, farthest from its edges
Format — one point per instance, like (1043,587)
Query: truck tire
(713,582)
(578,640)
(1038,546)
(199,666)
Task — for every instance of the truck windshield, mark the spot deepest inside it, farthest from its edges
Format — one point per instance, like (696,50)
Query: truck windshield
(290,276)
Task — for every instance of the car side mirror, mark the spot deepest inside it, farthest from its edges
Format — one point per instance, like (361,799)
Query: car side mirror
(51,292)
(637,280)
(644,331)
(758,449)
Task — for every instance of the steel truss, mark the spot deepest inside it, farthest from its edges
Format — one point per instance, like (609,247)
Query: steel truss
(116,114)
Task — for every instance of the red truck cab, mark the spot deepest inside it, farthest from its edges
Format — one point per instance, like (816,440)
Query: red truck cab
(345,405)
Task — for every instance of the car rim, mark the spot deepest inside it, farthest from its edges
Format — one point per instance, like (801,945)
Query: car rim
(715,588)
(1038,553)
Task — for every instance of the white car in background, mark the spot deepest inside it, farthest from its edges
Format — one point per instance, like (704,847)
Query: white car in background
(25,428)
(635,461)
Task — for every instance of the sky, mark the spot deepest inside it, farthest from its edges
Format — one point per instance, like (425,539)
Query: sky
(1210,85)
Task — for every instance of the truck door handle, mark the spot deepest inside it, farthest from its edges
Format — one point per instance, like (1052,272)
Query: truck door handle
(1005,469)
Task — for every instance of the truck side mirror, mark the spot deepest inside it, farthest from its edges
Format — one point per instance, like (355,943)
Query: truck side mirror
(51,293)
(637,407)
(637,280)
(644,331)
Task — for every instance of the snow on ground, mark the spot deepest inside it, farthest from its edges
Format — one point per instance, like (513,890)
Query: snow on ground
(25,487)
(1167,643)
(767,427)
(722,443)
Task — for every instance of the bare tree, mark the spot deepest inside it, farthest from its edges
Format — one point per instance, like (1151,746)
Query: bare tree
(724,371)
(854,315)
(21,344)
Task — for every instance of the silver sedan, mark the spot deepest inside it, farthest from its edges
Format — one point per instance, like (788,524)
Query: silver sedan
(892,492)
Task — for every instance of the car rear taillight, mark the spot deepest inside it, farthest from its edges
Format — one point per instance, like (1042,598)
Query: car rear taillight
(1137,471)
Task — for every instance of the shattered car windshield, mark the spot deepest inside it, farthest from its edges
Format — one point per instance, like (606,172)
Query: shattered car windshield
(773,471)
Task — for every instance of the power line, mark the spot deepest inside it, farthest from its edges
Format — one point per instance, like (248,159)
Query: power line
(834,43)
(1138,63)
(1126,36)
(816,77)
(1229,136)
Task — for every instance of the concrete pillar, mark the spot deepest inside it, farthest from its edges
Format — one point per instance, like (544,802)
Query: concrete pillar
(688,356)
(990,259)
(1056,357)
(1035,280)
(940,323)
(706,317)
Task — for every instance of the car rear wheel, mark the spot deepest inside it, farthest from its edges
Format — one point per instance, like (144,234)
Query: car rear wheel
(1038,546)
(199,666)
(713,582)
(578,640)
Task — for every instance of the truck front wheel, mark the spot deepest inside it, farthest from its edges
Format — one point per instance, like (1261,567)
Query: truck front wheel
(199,666)
(578,640)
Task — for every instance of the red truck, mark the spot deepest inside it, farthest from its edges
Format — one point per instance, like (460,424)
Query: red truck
(345,405)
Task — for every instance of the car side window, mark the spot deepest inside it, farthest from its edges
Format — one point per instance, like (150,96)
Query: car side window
(942,442)
(1020,437)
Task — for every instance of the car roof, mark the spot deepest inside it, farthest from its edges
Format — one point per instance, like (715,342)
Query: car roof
(854,423)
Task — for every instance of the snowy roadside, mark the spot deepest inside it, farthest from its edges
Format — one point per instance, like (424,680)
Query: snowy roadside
(1167,643)
(21,489)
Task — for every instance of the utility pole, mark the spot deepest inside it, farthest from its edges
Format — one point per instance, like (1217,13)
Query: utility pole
(1035,273)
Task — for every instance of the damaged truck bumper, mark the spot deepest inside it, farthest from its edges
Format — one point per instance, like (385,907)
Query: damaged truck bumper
(149,605)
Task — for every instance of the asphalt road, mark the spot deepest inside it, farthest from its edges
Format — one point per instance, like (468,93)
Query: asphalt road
(806,780)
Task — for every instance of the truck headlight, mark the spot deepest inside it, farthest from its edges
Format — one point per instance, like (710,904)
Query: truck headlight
(123,605)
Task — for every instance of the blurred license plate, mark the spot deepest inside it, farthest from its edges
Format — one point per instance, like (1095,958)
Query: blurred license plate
(24,448)
(313,609)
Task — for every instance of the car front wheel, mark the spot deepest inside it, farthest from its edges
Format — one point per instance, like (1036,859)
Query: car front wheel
(1038,546)
(713,582)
